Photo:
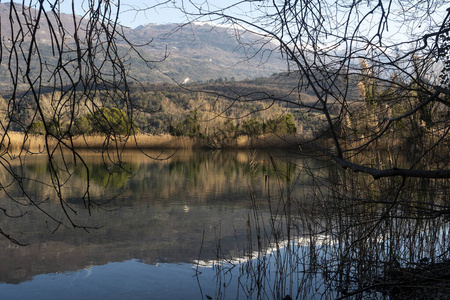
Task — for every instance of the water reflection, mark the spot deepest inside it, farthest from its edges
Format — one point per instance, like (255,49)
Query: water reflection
(366,239)
(130,279)
(167,211)
(229,225)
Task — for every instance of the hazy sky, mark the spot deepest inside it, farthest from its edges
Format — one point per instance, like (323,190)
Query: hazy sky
(130,17)
(161,14)
(139,12)
(165,13)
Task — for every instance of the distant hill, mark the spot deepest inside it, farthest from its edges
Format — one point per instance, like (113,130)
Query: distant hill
(195,52)
(203,51)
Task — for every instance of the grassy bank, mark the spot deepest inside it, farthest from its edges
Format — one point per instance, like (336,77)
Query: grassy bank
(15,141)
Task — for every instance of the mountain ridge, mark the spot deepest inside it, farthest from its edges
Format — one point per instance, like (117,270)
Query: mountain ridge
(202,51)
(195,52)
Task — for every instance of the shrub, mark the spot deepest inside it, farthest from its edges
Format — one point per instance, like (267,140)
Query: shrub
(107,121)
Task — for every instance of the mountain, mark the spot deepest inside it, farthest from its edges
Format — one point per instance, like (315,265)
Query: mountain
(201,51)
(197,52)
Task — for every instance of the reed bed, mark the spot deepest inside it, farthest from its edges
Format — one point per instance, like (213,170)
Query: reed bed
(16,142)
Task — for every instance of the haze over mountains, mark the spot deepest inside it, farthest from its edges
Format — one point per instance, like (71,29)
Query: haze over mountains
(203,51)
(191,52)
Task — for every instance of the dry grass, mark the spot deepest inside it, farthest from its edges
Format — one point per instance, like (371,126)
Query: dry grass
(142,141)
(16,142)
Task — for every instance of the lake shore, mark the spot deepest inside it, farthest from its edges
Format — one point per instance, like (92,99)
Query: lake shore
(16,141)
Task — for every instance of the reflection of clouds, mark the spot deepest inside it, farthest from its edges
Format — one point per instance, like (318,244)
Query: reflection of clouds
(304,241)
(79,275)
(88,270)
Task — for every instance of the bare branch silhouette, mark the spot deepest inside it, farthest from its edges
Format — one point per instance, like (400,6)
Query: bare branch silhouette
(378,70)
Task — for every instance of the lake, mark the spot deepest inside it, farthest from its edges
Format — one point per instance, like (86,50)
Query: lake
(207,225)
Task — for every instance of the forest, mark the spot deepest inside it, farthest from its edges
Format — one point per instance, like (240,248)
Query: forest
(201,111)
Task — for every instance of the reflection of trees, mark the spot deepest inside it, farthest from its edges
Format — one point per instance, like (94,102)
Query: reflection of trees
(200,175)
(36,183)
(146,222)
(349,236)
(110,177)
(196,175)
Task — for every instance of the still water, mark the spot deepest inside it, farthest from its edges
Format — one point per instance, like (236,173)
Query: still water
(219,225)
(155,229)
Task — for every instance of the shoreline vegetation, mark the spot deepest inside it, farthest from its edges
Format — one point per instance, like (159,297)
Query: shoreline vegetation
(17,141)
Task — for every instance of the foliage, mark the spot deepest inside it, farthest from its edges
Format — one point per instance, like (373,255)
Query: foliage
(252,127)
(282,125)
(189,127)
(83,125)
(37,128)
(52,127)
(106,121)
(222,134)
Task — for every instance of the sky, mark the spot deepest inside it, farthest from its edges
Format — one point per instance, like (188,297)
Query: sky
(134,13)
(161,14)
(130,17)
(140,12)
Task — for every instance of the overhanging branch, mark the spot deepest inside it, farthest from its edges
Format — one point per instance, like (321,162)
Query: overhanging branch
(380,173)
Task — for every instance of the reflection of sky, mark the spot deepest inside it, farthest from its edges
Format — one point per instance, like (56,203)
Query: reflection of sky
(130,279)
(135,280)
(274,248)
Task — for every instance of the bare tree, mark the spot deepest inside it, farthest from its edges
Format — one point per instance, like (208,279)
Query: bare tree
(378,71)
(60,66)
